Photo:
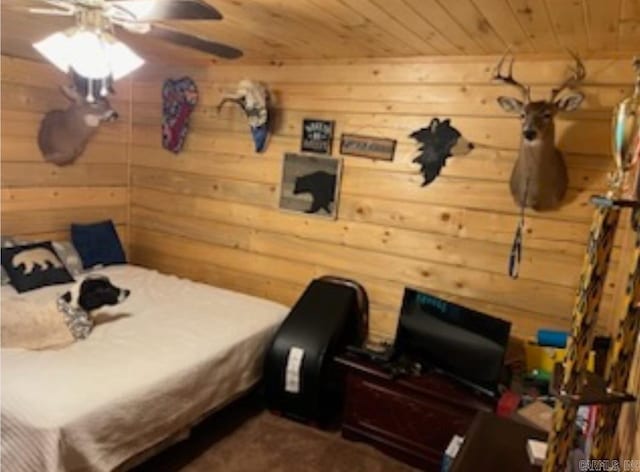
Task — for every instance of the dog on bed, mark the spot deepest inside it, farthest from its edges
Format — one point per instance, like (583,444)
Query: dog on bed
(29,325)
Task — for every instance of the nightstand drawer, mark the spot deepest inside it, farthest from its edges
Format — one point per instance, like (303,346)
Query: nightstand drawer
(415,422)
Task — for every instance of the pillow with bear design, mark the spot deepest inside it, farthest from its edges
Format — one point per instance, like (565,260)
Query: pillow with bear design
(65,251)
(32,266)
(5,241)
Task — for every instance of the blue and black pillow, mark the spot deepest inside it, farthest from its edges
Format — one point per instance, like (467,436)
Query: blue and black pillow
(97,244)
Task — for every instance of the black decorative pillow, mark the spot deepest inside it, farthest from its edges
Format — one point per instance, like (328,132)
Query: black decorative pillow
(97,243)
(33,266)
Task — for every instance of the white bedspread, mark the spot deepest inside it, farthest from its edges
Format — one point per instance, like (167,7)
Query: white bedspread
(184,348)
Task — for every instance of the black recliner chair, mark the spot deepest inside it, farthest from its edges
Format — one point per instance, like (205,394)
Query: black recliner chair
(332,313)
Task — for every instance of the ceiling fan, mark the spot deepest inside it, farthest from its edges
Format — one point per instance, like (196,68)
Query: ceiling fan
(139,17)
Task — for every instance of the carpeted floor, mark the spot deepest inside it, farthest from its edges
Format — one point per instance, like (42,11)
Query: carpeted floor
(246,438)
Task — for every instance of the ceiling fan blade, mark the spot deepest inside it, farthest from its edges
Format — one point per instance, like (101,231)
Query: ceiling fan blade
(54,8)
(50,11)
(135,27)
(194,42)
(152,10)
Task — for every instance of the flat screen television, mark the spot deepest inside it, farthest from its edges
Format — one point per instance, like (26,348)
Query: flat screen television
(457,340)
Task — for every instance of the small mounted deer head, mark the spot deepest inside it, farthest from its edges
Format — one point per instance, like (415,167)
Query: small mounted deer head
(64,134)
(539,178)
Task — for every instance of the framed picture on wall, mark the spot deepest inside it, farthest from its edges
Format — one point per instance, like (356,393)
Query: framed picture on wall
(317,136)
(310,184)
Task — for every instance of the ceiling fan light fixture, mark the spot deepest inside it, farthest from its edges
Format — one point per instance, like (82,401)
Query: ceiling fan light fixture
(122,59)
(55,49)
(92,54)
(88,55)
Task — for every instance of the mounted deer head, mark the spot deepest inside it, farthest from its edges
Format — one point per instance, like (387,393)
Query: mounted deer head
(539,178)
(64,134)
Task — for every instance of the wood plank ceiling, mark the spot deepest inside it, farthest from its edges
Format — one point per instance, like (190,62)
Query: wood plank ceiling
(328,29)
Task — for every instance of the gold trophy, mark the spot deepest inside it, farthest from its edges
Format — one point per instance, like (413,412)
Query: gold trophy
(626,139)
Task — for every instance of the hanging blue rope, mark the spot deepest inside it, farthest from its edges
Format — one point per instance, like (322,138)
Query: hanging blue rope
(515,257)
(516,250)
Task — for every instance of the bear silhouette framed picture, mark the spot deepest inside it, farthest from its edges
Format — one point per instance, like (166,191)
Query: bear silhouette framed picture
(310,184)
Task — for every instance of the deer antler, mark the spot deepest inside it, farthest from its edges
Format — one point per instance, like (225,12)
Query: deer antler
(579,73)
(508,79)
(237,100)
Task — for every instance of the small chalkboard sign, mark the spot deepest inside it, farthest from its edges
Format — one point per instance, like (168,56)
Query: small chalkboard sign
(317,136)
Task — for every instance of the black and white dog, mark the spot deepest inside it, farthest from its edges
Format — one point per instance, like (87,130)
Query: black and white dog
(28,325)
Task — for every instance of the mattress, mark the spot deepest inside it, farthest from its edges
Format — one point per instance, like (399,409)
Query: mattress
(172,351)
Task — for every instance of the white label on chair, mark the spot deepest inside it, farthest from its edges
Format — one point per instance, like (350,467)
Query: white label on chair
(292,375)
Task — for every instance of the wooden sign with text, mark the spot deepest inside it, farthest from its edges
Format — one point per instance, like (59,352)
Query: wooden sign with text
(317,136)
(366,146)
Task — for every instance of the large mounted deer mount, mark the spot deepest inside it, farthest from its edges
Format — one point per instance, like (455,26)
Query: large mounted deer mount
(64,134)
(539,178)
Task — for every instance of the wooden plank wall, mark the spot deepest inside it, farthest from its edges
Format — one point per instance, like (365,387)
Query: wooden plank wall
(39,199)
(211,212)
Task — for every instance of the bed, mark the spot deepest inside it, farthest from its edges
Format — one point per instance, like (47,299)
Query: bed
(179,349)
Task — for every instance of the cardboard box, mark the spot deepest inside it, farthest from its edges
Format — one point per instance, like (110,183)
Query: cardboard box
(536,414)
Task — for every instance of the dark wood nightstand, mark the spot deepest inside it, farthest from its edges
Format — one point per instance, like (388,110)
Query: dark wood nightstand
(410,417)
